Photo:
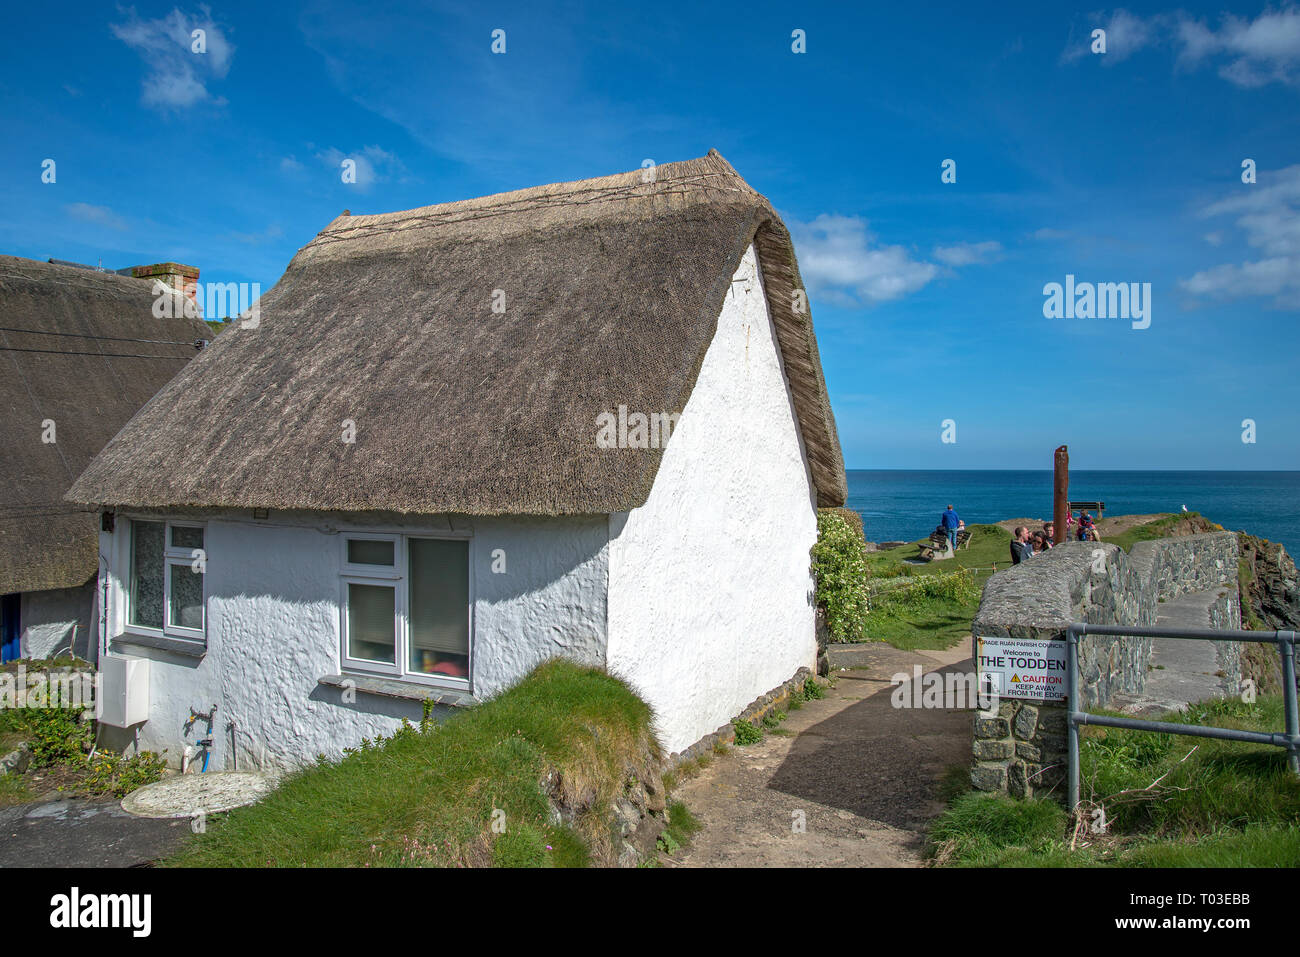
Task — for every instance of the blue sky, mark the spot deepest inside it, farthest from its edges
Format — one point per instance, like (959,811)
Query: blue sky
(1123,166)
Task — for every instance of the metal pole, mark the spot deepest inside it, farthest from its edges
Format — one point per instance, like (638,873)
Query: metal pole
(1060,493)
(1072,697)
(1286,645)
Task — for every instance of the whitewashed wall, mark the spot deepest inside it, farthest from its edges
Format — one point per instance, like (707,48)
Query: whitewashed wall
(710,600)
(58,621)
(274,622)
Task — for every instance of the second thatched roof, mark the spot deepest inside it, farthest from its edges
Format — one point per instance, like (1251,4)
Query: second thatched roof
(80,352)
(611,288)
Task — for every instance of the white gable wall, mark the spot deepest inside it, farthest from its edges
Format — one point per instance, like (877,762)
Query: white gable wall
(710,588)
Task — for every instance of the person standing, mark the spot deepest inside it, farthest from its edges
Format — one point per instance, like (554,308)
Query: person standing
(950,523)
(1020,547)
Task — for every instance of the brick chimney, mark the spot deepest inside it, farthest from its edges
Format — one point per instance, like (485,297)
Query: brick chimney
(182,278)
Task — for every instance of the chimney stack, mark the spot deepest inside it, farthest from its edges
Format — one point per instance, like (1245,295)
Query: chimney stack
(184,279)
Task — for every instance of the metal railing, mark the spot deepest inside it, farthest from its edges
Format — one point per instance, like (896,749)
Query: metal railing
(1288,740)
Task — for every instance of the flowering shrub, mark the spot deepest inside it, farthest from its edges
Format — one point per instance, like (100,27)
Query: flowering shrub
(839,564)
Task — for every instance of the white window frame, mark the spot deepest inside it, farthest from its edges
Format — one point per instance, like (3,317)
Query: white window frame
(397,577)
(390,576)
(172,555)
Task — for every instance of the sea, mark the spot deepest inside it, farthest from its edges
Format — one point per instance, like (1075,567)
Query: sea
(904,505)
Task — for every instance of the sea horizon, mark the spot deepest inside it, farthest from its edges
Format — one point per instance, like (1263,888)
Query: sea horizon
(905,504)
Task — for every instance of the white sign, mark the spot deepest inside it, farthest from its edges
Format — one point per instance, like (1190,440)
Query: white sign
(1022,668)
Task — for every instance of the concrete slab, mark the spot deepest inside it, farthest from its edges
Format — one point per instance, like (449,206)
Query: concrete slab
(186,795)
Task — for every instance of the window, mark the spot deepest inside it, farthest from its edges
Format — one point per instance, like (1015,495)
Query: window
(165,589)
(406,607)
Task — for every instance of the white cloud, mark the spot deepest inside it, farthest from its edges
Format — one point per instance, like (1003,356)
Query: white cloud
(839,258)
(967,254)
(1125,35)
(1263,50)
(177,76)
(1268,213)
(1047,234)
(373,164)
(1258,52)
(99,215)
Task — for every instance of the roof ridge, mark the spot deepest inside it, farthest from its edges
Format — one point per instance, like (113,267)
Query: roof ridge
(582,192)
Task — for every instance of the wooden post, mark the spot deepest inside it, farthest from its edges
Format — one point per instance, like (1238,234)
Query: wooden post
(1061,493)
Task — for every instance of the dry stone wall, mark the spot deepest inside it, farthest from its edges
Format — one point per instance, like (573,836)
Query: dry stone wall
(1023,750)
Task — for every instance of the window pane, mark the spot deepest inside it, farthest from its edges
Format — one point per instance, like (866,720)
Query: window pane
(369,551)
(147,574)
(183,536)
(186,609)
(439,607)
(370,622)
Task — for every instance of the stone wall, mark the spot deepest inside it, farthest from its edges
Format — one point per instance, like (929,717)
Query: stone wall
(775,700)
(1023,749)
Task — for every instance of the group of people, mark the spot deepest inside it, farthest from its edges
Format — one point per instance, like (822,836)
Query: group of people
(1025,544)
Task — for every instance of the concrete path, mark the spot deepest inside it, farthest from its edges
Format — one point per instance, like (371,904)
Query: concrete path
(70,832)
(1183,671)
(862,775)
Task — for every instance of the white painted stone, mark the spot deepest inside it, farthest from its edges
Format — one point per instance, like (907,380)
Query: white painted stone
(187,795)
(711,587)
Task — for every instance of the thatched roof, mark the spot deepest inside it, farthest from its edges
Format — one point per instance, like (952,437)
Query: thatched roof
(73,362)
(612,289)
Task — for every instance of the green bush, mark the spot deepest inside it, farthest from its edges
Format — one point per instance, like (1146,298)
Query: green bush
(839,565)
(56,735)
(958,586)
(118,775)
(746,733)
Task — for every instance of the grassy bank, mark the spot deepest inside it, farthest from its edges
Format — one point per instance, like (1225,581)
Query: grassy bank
(1178,523)
(930,605)
(1165,800)
(427,797)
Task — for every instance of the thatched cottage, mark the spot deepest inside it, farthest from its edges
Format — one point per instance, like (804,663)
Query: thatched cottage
(80,352)
(584,419)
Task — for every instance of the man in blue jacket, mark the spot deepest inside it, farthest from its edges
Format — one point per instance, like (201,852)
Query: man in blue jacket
(950,523)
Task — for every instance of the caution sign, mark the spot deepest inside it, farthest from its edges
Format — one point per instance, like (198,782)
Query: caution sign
(1021,668)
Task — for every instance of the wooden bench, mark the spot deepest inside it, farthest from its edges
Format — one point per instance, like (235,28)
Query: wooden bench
(1097,507)
(938,543)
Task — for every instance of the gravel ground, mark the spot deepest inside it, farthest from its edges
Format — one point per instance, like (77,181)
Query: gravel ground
(861,774)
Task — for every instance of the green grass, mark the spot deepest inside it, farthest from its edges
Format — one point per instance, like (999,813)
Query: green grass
(682,825)
(14,790)
(1169,801)
(427,797)
(989,545)
(1162,527)
(939,621)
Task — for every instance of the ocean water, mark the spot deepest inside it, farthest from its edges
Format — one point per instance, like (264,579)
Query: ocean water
(905,505)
